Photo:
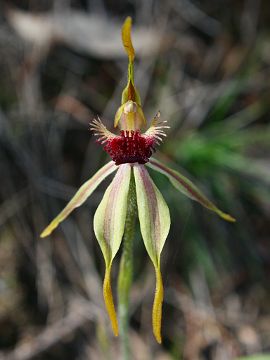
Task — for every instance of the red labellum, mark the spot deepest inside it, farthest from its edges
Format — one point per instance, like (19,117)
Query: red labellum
(130,147)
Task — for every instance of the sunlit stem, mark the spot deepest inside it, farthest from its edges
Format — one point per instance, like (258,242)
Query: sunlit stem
(126,271)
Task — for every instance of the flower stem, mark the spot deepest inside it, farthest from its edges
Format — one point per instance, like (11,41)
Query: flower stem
(126,270)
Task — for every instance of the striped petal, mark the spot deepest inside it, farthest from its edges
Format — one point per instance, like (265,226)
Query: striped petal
(80,197)
(154,220)
(184,185)
(109,224)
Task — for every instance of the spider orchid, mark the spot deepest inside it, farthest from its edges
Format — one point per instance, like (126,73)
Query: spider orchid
(131,152)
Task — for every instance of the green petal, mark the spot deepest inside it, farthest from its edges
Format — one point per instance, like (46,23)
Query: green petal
(109,225)
(80,197)
(154,220)
(184,185)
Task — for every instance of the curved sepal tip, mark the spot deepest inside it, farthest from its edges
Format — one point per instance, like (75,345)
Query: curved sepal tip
(184,185)
(80,197)
(108,299)
(157,306)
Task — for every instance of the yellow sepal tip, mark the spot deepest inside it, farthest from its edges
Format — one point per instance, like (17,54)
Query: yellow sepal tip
(126,38)
(226,217)
(157,307)
(108,299)
(48,230)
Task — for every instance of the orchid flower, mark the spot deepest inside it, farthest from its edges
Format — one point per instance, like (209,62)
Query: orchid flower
(131,153)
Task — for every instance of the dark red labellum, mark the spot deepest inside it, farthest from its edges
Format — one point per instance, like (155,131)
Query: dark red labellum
(130,147)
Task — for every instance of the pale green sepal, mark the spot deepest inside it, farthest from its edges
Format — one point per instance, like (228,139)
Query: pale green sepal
(110,216)
(109,225)
(126,38)
(81,196)
(130,92)
(181,183)
(118,115)
(154,217)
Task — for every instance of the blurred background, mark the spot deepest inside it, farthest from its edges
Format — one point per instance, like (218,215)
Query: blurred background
(206,66)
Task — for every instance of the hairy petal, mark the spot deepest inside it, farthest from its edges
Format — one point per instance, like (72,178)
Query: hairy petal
(81,196)
(184,185)
(154,220)
(109,224)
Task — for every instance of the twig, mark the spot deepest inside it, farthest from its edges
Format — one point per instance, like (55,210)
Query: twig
(52,334)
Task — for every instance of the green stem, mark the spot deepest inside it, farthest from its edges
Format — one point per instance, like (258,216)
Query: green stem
(126,271)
